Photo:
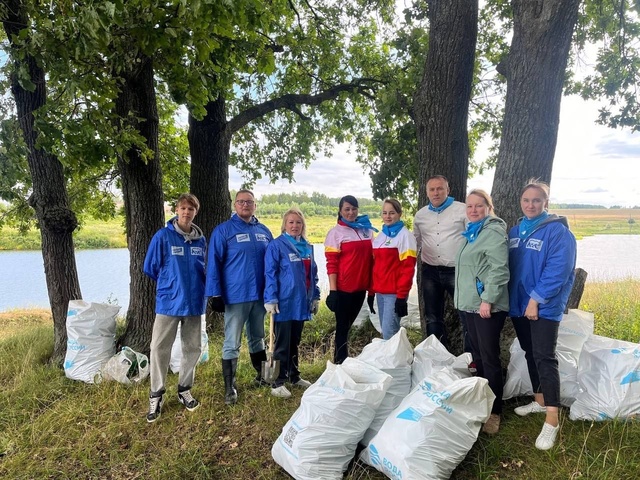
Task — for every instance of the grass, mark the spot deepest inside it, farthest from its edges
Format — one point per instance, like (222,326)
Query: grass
(52,427)
(110,234)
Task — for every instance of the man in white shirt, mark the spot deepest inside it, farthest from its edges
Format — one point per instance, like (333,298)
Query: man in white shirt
(438,230)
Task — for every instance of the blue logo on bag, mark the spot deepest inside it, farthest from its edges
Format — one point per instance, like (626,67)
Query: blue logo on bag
(374,456)
(68,364)
(410,414)
(633,376)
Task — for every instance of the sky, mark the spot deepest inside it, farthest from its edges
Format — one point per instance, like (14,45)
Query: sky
(593,164)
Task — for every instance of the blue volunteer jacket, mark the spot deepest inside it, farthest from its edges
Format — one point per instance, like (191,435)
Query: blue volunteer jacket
(177,265)
(542,267)
(286,281)
(235,266)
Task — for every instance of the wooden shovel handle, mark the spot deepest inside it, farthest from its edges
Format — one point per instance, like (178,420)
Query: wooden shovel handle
(271,333)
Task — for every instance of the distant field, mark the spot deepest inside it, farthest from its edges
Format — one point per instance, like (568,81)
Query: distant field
(100,234)
(585,222)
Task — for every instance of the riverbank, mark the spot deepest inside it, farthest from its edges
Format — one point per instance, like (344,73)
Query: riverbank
(110,234)
(65,429)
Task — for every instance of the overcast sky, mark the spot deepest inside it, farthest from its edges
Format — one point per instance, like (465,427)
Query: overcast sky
(593,165)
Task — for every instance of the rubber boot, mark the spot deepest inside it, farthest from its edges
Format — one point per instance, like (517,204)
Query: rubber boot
(229,374)
(256,360)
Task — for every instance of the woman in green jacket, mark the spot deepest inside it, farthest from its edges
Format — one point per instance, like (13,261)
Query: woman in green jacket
(481,292)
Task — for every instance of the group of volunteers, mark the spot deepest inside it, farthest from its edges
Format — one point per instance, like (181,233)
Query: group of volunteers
(526,273)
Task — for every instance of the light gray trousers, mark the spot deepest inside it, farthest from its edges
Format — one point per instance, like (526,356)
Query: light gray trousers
(162,338)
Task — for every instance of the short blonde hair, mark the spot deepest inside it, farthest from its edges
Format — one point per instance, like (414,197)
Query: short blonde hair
(298,212)
(485,196)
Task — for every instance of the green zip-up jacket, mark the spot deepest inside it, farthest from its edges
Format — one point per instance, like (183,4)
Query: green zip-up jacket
(483,266)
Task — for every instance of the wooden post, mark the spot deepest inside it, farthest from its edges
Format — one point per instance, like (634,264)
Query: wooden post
(577,290)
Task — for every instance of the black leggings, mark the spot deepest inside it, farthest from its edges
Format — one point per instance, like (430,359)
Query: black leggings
(538,339)
(349,305)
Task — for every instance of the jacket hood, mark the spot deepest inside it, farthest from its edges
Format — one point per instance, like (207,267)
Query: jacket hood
(194,234)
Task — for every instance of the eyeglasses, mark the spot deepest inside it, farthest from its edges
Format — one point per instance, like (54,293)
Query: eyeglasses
(249,203)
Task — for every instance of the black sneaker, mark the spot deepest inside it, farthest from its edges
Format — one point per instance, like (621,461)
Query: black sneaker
(155,407)
(188,401)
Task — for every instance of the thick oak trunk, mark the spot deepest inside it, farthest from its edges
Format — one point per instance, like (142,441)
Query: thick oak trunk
(49,197)
(441,106)
(143,199)
(535,71)
(209,146)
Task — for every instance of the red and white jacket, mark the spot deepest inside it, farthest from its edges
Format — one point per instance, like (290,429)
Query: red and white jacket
(394,263)
(349,255)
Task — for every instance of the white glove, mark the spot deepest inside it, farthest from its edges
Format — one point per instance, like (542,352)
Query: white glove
(314,306)
(271,307)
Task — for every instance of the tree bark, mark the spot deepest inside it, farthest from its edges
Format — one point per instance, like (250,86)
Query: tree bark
(143,199)
(535,70)
(49,198)
(441,103)
(209,145)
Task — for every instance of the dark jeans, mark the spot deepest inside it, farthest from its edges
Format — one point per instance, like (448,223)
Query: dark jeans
(349,305)
(435,282)
(484,336)
(285,350)
(538,339)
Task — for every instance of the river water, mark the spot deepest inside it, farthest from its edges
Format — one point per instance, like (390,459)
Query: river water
(104,274)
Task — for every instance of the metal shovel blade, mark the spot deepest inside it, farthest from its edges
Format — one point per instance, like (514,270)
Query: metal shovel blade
(270,369)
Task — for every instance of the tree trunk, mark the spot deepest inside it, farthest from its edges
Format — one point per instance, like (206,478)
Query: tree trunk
(441,104)
(49,198)
(143,199)
(535,70)
(209,146)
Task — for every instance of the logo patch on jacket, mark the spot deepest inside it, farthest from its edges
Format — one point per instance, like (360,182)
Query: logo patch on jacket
(514,242)
(242,237)
(535,244)
(261,237)
(293,257)
(196,251)
(177,250)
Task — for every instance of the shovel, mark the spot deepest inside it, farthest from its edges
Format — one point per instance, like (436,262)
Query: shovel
(270,367)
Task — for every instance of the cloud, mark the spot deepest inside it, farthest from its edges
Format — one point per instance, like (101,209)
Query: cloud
(595,190)
(614,148)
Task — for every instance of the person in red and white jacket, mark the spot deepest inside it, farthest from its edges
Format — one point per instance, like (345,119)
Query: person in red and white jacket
(347,249)
(394,265)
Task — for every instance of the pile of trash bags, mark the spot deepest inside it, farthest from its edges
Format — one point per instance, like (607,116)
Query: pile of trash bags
(416,412)
(91,347)
(599,376)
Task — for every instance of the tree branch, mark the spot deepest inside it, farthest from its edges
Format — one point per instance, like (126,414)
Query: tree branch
(291,101)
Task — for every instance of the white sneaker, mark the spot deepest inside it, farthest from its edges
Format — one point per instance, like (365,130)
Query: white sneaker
(533,407)
(303,383)
(547,437)
(280,392)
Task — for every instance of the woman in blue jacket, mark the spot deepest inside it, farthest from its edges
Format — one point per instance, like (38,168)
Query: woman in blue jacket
(542,259)
(291,295)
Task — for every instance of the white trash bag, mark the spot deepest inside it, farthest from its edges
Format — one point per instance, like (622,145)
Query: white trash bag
(574,329)
(609,378)
(432,430)
(127,366)
(394,357)
(321,437)
(176,348)
(91,339)
(431,356)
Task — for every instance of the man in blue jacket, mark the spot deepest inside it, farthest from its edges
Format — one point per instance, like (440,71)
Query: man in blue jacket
(235,281)
(175,260)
